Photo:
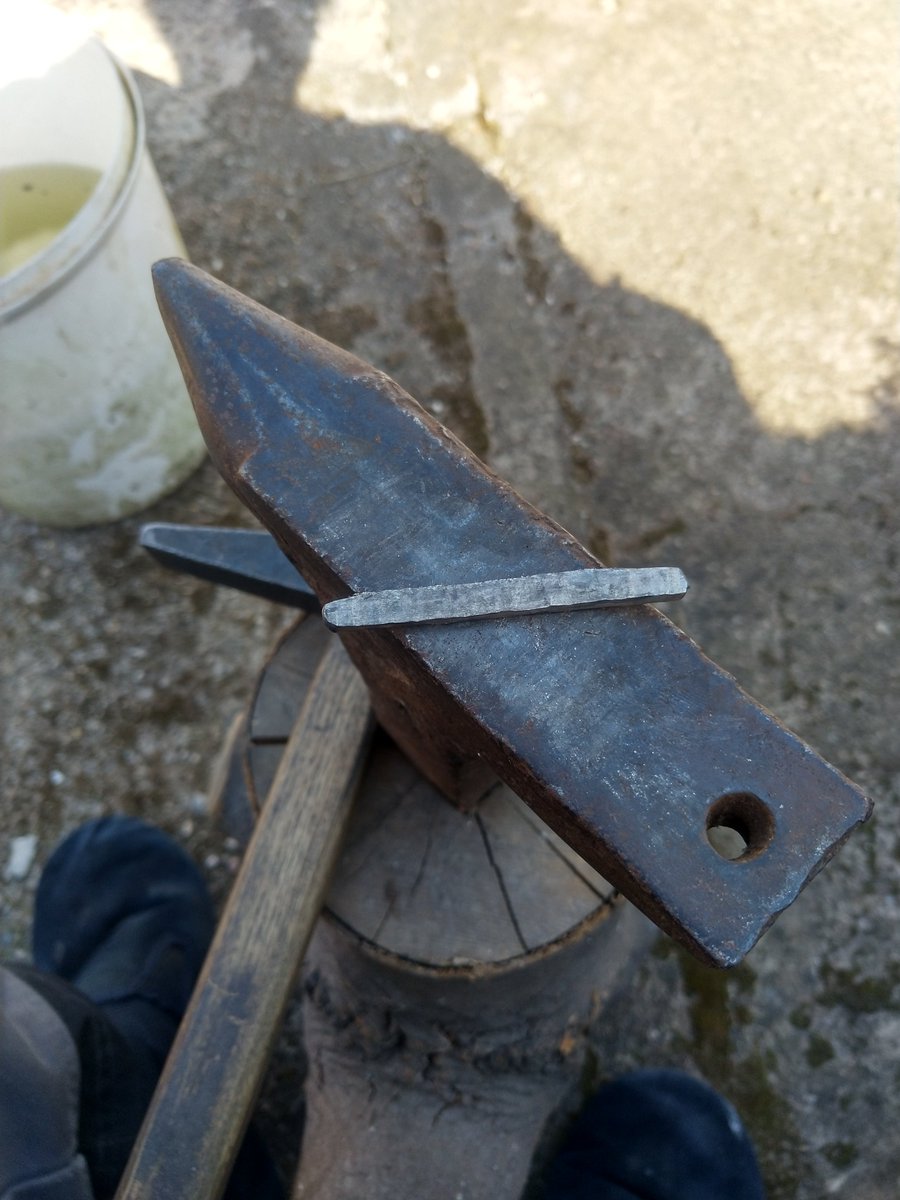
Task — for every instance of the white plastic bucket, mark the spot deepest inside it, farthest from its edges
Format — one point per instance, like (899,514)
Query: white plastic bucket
(94,419)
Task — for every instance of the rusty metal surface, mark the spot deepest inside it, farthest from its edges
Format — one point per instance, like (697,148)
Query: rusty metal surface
(612,725)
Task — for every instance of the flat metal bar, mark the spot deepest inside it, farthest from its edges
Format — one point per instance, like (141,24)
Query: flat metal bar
(555,591)
(248,560)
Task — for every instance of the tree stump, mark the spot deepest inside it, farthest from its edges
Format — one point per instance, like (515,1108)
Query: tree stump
(450,985)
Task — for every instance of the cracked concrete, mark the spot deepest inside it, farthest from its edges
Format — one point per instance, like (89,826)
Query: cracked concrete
(643,257)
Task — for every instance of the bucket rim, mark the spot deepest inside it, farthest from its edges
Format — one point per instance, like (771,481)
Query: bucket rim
(46,271)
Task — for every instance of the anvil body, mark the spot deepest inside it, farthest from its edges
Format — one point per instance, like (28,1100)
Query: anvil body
(611,724)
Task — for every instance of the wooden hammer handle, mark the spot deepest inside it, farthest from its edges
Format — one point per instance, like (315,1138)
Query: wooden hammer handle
(195,1123)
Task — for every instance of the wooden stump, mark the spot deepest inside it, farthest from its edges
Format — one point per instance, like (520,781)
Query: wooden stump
(450,985)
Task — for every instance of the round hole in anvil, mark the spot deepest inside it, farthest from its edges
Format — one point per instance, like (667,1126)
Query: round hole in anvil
(739,826)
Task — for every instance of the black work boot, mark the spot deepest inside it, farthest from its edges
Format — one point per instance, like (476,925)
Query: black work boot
(122,924)
(123,914)
(655,1135)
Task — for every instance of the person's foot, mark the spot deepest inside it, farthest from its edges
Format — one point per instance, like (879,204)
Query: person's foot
(124,915)
(655,1135)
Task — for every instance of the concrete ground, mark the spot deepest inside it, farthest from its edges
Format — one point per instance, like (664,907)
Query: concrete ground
(642,256)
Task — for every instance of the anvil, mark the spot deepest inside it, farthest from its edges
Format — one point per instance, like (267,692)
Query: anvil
(612,724)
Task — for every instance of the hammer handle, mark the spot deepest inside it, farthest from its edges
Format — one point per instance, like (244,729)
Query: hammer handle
(195,1123)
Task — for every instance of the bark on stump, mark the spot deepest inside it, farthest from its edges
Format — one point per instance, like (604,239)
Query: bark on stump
(450,986)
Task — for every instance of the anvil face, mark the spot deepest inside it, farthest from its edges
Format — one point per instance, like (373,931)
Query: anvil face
(611,724)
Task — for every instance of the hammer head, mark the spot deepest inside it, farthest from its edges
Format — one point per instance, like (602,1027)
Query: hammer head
(611,724)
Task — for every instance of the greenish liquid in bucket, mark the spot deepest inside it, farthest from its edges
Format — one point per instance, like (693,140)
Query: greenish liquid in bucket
(36,204)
